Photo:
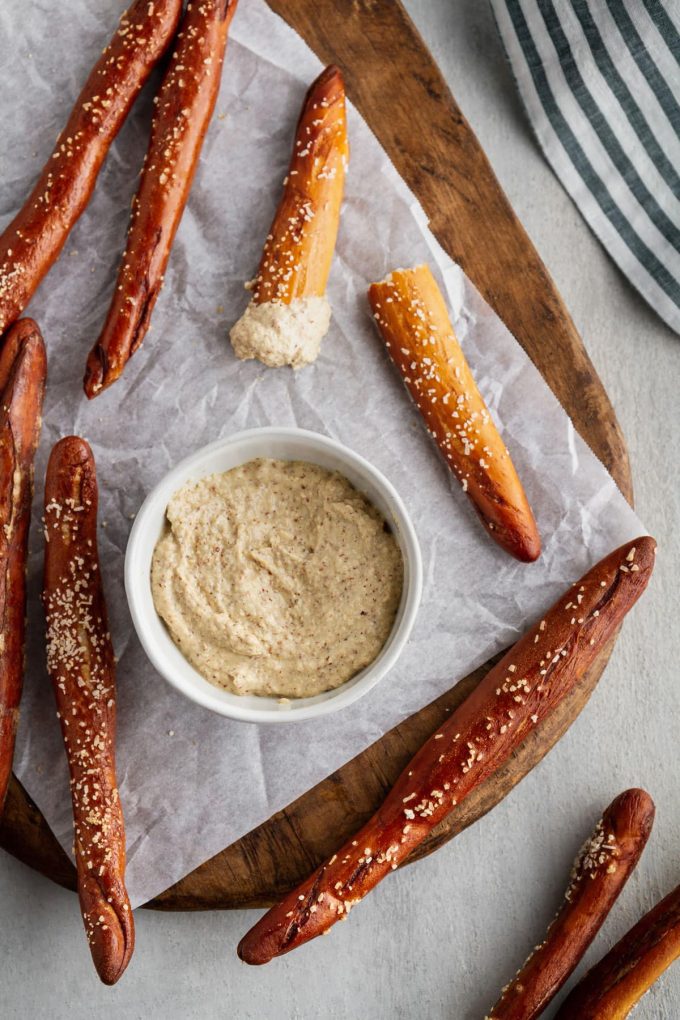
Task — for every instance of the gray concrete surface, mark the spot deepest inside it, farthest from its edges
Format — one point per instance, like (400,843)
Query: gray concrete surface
(439,939)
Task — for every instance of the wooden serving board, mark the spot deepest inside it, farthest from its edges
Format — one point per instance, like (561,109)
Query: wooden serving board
(397,87)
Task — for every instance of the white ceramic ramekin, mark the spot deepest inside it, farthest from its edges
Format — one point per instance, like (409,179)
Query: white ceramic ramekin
(283,444)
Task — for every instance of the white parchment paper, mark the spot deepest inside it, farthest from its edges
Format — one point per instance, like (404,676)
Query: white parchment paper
(190,782)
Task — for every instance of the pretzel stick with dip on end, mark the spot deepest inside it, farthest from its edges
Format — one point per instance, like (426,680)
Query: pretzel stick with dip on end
(289,314)
(184,107)
(600,872)
(23,367)
(33,241)
(80,662)
(614,985)
(411,315)
(475,741)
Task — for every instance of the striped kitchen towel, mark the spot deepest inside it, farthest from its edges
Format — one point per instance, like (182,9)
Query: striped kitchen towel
(600,80)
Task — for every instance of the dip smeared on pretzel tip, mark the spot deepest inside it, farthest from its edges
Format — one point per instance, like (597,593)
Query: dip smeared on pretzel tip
(602,868)
(81,665)
(542,669)
(411,315)
(32,242)
(183,110)
(23,367)
(289,314)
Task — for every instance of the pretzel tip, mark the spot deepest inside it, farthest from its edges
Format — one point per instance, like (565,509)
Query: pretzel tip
(524,544)
(228,9)
(328,93)
(299,917)
(253,950)
(645,547)
(71,476)
(243,952)
(23,328)
(95,372)
(112,947)
(531,549)
(330,82)
(114,959)
(638,559)
(636,809)
(22,339)
(70,452)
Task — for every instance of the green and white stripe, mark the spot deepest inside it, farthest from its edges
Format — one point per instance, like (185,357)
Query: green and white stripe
(600,80)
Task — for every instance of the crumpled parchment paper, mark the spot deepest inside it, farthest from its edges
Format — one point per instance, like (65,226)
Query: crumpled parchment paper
(191,782)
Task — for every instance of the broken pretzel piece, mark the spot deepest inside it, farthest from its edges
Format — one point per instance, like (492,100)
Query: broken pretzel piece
(289,313)
(411,315)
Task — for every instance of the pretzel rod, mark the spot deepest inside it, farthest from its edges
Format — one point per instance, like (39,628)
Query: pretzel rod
(32,242)
(614,985)
(23,367)
(411,315)
(600,872)
(184,107)
(298,252)
(288,292)
(80,662)
(478,738)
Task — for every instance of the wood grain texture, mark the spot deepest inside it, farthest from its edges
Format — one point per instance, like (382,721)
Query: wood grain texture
(389,75)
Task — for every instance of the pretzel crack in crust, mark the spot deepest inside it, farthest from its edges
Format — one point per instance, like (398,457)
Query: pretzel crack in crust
(32,242)
(412,317)
(81,665)
(23,368)
(610,990)
(184,107)
(600,872)
(514,697)
(290,284)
